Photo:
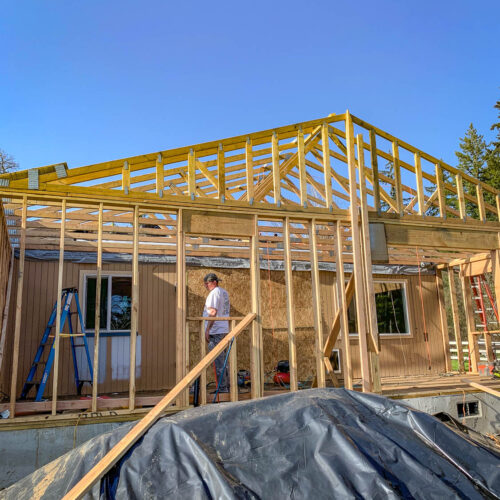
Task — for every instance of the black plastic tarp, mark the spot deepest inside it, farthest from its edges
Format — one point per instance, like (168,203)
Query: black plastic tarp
(318,443)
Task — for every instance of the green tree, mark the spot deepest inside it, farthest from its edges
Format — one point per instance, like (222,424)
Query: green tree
(473,160)
(493,158)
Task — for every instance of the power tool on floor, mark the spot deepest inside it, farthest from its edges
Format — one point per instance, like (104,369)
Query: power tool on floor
(282,375)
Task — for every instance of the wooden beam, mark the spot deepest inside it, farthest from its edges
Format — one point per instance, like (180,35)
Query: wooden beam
(97,316)
(126,177)
(180,342)
(420,184)
(249,170)
(369,292)
(367,254)
(343,306)
(233,367)
(443,321)
(358,260)
(160,175)
(276,169)
(57,333)
(302,168)
(104,465)
(6,308)
(316,299)
(290,307)
(460,196)
(480,203)
(203,374)
(191,174)
(327,174)
(481,387)
(345,294)
(134,316)
(440,191)
(221,174)
(397,177)
(256,334)
(375,176)
(469,316)
(456,320)
(19,304)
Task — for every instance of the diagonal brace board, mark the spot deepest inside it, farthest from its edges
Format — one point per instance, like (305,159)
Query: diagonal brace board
(263,188)
(335,330)
(117,452)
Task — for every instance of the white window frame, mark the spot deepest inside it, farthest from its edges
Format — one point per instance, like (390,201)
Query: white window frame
(339,370)
(91,273)
(408,334)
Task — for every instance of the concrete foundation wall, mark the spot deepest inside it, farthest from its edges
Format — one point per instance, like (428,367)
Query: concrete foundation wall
(24,451)
(487,422)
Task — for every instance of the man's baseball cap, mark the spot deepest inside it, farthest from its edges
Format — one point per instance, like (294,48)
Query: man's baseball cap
(211,277)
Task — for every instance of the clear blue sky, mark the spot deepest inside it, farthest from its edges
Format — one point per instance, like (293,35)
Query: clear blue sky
(90,81)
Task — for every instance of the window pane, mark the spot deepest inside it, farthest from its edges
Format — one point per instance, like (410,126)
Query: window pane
(391,308)
(121,298)
(90,303)
(390,300)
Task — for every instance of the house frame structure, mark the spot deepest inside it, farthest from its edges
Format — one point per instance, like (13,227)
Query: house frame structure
(333,191)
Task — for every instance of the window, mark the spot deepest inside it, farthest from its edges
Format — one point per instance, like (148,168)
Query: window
(335,360)
(468,409)
(392,310)
(116,300)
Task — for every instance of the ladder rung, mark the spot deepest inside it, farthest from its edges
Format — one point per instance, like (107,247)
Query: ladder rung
(71,335)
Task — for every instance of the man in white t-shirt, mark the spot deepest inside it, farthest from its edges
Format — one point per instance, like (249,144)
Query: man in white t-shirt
(217,305)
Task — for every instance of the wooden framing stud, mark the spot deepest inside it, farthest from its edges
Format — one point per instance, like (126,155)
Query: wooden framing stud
(134,317)
(57,333)
(290,308)
(97,317)
(19,305)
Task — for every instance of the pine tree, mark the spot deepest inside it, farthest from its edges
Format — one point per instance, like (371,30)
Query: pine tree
(493,158)
(473,160)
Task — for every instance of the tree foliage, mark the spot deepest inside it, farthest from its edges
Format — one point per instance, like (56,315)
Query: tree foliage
(7,162)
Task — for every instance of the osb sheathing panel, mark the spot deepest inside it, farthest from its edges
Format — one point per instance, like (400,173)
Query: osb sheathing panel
(273,309)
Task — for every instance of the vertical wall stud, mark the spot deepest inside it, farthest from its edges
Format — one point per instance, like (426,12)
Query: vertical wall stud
(358,259)
(256,332)
(443,321)
(134,317)
(318,324)
(19,308)
(57,332)
(342,305)
(97,317)
(290,308)
(456,319)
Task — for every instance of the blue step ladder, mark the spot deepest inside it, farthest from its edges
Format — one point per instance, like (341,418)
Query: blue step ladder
(48,340)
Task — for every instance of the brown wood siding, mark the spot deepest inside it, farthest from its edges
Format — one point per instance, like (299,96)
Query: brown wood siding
(5,257)
(399,356)
(156,326)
